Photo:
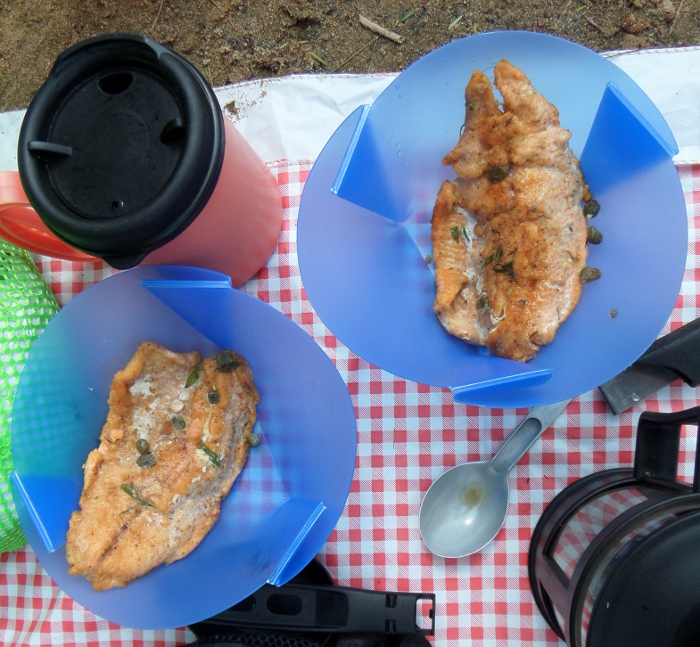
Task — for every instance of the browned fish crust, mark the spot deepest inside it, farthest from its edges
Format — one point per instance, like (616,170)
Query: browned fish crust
(145,506)
(509,234)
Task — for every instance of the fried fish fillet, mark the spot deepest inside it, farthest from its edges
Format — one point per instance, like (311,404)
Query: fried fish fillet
(509,234)
(176,437)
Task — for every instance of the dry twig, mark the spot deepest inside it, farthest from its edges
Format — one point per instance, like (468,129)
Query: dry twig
(155,20)
(593,24)
(320,59)
(349,58)
(378,29)
(675,17)
(455,22)
(400,21)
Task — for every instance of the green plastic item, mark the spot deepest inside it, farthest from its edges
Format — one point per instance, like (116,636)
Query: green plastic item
(26,306)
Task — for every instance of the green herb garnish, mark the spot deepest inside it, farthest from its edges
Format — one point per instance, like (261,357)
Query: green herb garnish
(192,377)
(455,233)
(134,494)
(213,456)
(505,268)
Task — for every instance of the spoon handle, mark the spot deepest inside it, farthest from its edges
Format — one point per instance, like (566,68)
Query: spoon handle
(525,434)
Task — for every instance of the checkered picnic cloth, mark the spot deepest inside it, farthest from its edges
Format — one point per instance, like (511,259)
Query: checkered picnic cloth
(408,434)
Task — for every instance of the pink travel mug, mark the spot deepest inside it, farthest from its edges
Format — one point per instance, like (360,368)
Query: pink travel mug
(124,155)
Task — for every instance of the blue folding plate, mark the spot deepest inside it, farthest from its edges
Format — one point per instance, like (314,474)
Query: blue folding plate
(288,498)
(364,223)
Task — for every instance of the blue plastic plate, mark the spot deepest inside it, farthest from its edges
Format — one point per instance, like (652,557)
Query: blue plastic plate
(364,223)
(286,501)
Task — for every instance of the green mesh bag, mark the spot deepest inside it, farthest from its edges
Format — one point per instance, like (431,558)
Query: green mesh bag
(26,306)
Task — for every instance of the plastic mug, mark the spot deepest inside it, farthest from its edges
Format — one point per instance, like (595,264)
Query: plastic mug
(124,155)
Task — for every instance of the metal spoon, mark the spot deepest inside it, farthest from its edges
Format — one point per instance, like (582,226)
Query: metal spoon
(464,509)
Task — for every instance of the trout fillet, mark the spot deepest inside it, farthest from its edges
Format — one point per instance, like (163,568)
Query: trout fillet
(176,437)
(509,233)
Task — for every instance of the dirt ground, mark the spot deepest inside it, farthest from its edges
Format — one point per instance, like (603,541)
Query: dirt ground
(233,40)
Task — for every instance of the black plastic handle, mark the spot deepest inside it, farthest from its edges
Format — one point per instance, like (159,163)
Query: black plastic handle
(329,609)
(658,444)
(679,352)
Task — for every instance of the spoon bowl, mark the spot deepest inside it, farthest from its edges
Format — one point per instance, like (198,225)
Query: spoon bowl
(464,509)
(464,505)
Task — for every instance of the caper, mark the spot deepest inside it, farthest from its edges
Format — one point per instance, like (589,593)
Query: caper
(214,396)
(178,423)
(594,236)
(498,173)
(225,362)
(253,440)
(588,274)
(591,208)
(141,445)
(146,460)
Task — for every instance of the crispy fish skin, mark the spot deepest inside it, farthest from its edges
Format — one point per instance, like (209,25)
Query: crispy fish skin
(133,518)
(511,281)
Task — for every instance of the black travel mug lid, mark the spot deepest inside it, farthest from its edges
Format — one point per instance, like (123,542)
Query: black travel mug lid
(121,147)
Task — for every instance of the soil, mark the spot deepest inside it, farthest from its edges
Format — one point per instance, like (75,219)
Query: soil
(234,40)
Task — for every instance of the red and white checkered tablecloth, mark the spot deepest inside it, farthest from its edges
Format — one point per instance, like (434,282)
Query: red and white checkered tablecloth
(408,434)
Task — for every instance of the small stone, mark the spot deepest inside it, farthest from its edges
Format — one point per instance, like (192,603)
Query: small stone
(630,24)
